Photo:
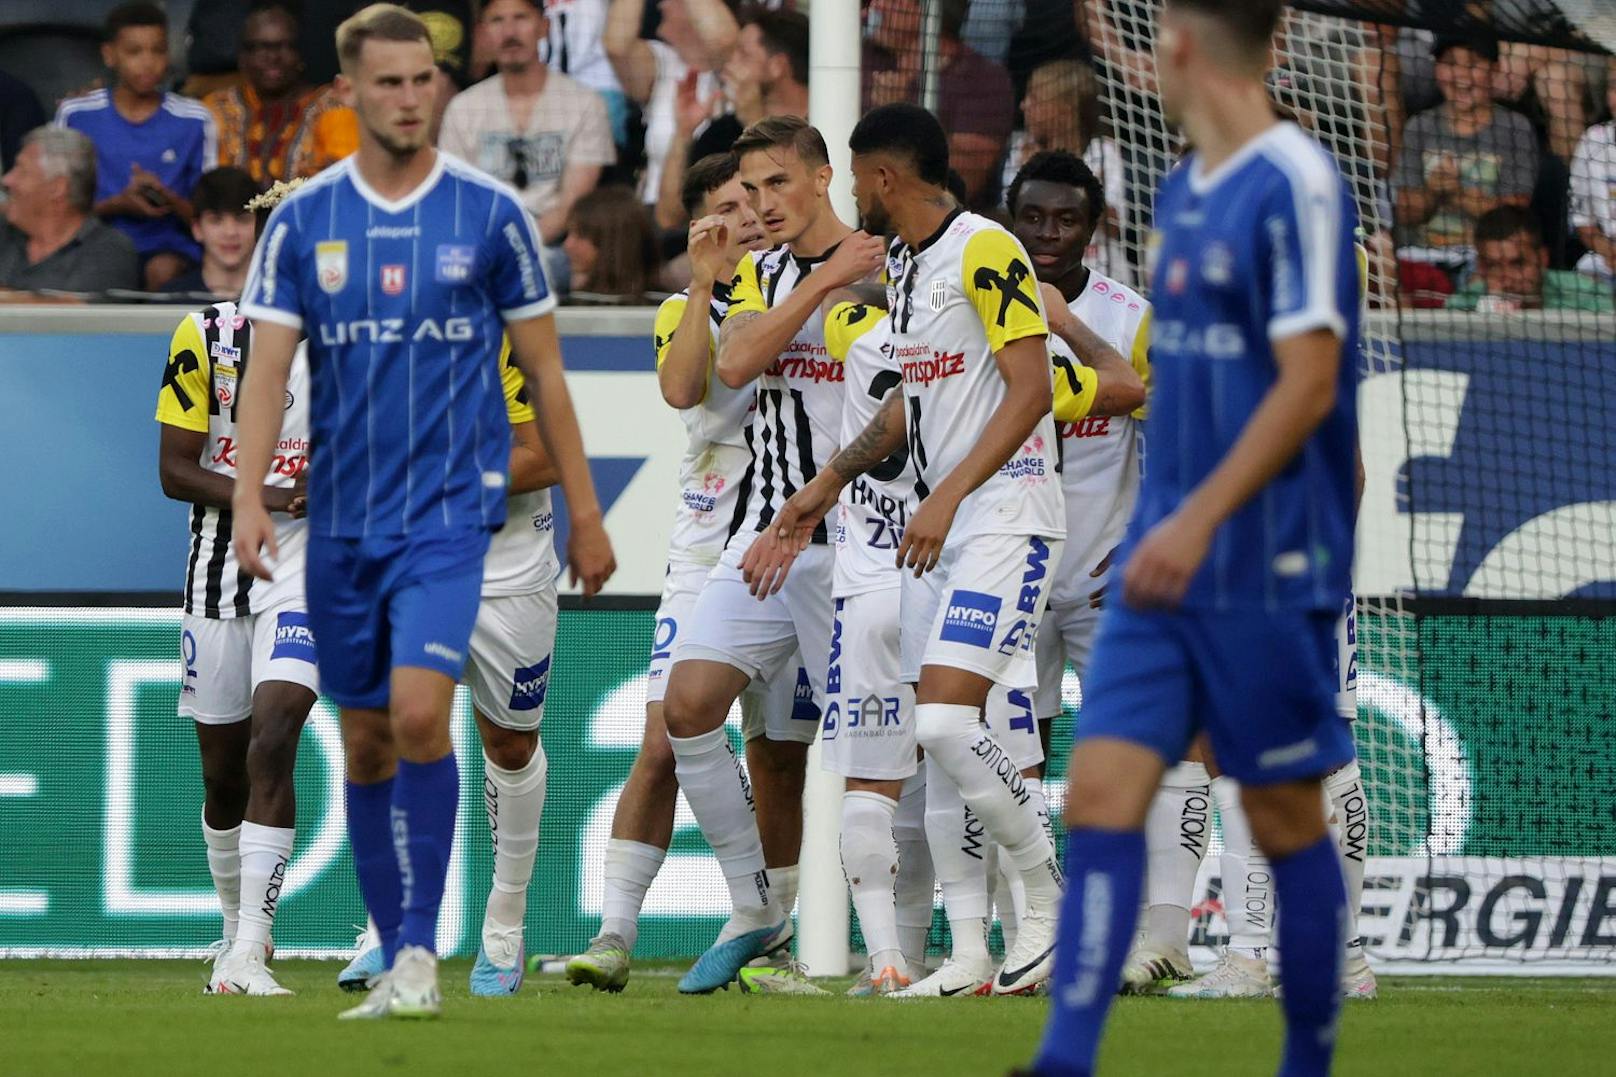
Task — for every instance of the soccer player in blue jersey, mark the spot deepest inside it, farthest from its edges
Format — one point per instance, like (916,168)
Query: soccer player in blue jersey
(1237,559)
(401,266)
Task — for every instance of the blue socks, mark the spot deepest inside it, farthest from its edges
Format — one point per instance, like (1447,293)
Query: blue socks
(370,833)
(425,796)
(1105,873)
(1312,900)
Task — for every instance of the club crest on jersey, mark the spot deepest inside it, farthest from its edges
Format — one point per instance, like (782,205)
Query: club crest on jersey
(393,279)
(1217,264)
(937,295)
(454,263)
(331,265)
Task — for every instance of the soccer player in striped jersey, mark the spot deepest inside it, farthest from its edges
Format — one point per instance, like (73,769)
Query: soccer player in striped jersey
(1238,557)
(508,674)
(250,675)
(723,230)
(968,331)
(773,334)
(402,265)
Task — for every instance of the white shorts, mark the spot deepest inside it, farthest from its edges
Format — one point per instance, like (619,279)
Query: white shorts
(978,610)
(680,588)
(1065,637)
(1009,717)
(869,726)
(782,640)
(508,670)
(1346,668)
(784,709)
(226,661)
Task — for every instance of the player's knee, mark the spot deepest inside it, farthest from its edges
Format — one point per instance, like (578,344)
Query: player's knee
(225,788)
(369,754)
(655,761)
(510,749)
(1284,818)
(272,754)
(682,710)
(420,729)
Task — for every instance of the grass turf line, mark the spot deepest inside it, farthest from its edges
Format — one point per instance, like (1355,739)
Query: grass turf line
(149,1017)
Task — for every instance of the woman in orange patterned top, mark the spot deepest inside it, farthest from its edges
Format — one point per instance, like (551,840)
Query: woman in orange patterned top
(274,125)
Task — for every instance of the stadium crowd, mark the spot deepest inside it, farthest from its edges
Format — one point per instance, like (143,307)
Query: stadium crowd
(592,109)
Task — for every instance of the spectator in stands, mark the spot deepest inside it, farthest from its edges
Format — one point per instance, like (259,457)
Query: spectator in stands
(1548,86)
(151,146)
(1512,271)
(767,75)
(694,35)
(574,47)
(976,102)
(225,228)
(51,241)
(274,125)
(1061,111)
(1460,159)
(612,248)
(1593,190)
(538,130)
(20,112)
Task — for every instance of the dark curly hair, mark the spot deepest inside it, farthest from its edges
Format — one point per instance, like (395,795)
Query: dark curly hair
(1058,166)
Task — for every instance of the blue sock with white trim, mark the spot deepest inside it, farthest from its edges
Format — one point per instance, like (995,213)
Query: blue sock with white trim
(1105,874)
(370,833)
(1312,899)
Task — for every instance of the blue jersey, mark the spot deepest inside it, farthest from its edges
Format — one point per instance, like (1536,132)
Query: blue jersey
(403,304)
(177,143)
(1259,250)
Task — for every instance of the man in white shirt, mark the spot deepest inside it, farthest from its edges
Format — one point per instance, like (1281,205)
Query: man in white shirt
(536,129)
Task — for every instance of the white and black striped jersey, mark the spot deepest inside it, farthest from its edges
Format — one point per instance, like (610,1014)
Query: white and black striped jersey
(798,420)
(716,454)
(207,359)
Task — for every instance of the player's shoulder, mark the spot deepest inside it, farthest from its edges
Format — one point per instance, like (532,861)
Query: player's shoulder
(846,323)
(1107,293)
(478,183)
(1297,167)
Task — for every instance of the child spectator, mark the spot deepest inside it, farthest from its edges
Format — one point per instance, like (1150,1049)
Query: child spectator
(151,146)
(224,227)
(274,125)
(50,240)
(1460,159)
(1512,271)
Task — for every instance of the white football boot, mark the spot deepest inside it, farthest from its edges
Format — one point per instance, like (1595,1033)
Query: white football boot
(953,980)
(1150,971)
(1031,959)
(1237,975)
(1357,978)
(243,972)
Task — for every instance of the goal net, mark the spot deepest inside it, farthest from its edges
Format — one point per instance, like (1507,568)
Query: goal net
(1478,142)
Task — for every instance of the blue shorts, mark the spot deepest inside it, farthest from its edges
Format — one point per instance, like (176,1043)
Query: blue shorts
(395,600)
(1261,684)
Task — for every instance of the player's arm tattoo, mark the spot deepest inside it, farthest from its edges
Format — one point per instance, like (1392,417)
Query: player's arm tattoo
(879,440)
(734,323)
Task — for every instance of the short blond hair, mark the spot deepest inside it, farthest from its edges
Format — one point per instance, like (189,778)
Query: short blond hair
(380,22)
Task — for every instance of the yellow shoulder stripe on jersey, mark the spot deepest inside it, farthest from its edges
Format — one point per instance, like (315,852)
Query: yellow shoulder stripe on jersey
(746,294)
(999,282)
(1141,358)
(1076,386)
(518,407)
(845,323)
(668,316)
(182,400)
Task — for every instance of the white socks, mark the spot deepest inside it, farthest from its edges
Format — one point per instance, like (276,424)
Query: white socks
(514,800)
(224,864)
(958,847)
(915,890)
(783,884)
(717,790)
(1177,829)
(1349,823)
(990,782)
(265,851)
(631,867)
(1248,882)
(870,862)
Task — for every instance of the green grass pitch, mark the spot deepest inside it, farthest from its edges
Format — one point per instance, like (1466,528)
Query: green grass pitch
(149,1017)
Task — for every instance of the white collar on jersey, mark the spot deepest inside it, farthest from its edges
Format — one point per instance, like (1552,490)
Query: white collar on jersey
(1201,182)
(368,193)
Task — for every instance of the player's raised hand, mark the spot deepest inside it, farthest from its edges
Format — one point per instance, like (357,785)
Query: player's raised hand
(925,533)
(253,535)
(708,244)
(855,258)
(590,561)
(1165,561)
